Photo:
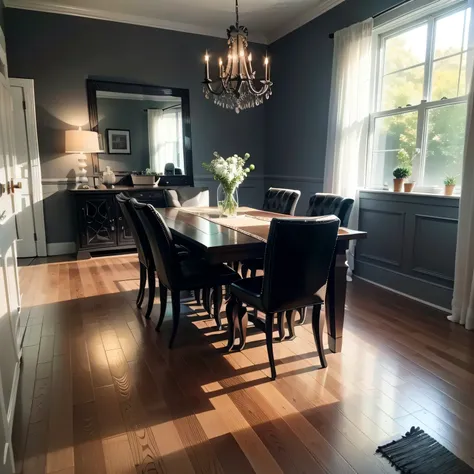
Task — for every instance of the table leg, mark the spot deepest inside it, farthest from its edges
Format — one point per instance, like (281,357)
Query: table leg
(336,298)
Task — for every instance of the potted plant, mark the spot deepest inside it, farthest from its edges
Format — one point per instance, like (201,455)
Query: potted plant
(408,186)
(449,185)
(400,174)
(230,173)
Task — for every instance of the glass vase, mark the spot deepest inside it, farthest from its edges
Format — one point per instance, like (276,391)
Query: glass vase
(227,201)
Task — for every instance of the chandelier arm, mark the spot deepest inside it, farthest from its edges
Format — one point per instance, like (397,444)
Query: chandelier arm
(256,92)
(212,91)
(249,80)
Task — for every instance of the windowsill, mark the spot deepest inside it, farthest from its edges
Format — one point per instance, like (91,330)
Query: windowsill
(413,193)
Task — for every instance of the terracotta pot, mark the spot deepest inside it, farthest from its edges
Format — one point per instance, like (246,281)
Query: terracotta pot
(398,184)
(408,187)
(448,189)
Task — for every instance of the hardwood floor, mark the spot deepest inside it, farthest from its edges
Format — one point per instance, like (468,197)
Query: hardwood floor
(101,393)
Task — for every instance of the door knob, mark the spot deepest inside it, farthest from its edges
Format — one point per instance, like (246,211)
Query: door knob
(14,186)
(2,189)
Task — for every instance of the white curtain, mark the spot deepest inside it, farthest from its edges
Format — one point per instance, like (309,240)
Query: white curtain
(165,138)
(346,151)
(463,297)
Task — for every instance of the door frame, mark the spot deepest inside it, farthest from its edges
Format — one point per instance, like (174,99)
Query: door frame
(34,163)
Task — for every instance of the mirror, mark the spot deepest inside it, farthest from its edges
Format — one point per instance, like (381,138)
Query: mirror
(144,129)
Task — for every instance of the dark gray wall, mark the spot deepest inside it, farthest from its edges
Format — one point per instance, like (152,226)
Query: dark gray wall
(296,116)
(2,7)
(59,52)
(1,13)
(411,245)
(126,114)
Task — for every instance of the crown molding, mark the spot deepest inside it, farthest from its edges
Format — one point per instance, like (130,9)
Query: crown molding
(44,6)
(322,7)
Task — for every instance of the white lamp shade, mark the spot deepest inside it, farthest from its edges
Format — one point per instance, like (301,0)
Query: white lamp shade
(82,141)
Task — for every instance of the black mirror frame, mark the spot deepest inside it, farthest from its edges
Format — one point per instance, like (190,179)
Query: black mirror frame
(92,86)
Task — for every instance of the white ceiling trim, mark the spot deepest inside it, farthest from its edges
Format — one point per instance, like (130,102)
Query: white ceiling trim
(42,6)
(288,27)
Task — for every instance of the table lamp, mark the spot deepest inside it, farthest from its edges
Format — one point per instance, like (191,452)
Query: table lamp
(81,142)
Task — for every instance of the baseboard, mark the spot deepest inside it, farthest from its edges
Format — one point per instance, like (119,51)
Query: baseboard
(61,248)
(13,395)
(424,289)
(414,298)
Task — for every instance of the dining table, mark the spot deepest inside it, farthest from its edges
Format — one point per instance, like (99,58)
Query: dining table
(221,239)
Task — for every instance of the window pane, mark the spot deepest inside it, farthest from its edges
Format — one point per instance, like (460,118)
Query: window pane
(466,29)
(391,134)
(463,79)
(449,34)
(445,146)
(402,88)
(406,50)
(445,79)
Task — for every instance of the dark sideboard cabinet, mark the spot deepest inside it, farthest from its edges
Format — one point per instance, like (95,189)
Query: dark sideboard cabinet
(100,223)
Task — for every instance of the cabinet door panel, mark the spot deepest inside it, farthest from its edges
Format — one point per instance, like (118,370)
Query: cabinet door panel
(125,236)
(97,221)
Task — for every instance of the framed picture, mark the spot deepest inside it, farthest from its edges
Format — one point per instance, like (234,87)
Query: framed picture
(118,142)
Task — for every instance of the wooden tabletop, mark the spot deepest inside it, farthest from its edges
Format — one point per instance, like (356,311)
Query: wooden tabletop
(221,244)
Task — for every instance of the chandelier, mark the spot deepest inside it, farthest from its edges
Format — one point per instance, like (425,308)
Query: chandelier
(237,87)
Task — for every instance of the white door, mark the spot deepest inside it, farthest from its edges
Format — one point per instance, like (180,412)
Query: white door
(10,352)
(29,211)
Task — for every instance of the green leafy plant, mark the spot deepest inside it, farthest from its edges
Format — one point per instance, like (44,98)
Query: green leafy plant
(450,181)
(404,159)
(401,172)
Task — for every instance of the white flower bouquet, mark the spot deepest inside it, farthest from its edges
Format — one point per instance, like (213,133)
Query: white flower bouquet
(231,173)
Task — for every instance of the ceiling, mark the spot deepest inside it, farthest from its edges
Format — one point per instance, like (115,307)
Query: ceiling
(267,20)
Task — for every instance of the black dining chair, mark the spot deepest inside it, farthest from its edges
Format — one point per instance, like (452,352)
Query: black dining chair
(296,267)
(145,256)
(323,204)
(280,201)
(175,274)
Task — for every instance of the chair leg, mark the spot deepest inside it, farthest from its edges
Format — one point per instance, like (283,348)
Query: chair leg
(151,292)
(302,312)
(197,295)
(269,339)
(206,299)
(290,320)
(318,325)
(244,271)
(176,302)
(141,290)
(231,312)
(243,320)
(281,326)
(253,272)
(163,302)
(217,302)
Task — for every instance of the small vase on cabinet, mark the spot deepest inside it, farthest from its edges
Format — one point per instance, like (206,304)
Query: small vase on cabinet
(108,176)
(227,201)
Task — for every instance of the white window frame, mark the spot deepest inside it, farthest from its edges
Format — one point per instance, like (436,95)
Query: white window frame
(380,38)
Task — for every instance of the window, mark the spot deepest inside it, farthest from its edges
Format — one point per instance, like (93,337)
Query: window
(420,103)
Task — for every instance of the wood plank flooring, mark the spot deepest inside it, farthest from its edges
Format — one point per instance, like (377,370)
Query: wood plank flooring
(101,393)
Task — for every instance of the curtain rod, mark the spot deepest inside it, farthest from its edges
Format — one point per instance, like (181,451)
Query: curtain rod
(331,36)
(166,108)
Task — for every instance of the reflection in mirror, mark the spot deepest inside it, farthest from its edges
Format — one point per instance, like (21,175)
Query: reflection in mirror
(140,133)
